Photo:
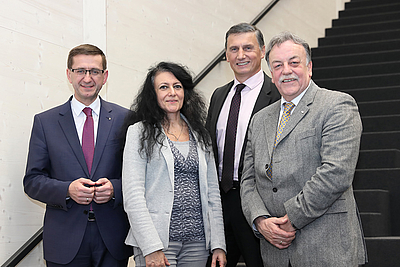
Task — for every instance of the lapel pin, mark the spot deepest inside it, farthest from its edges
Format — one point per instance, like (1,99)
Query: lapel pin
(109,118)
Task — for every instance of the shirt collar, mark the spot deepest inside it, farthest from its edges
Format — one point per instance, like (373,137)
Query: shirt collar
(77,106)
(251,82)
(297,99)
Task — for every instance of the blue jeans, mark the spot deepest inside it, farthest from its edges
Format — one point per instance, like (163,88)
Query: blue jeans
(179,254)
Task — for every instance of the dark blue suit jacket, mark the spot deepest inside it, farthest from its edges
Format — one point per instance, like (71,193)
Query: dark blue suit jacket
(55,159)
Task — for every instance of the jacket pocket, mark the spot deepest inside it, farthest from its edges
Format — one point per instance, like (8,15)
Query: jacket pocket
(339,206)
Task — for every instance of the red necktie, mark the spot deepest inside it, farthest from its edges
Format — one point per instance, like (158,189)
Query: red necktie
(230,141)
(88,138)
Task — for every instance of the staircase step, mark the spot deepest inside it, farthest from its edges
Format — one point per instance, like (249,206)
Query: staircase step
(375,224)
(363,28)
(360,37)
(364,82)
(380,140)
(356,70)
(372,200)
(367,3)
(375,108)
(383,251)
(375,94)
(373,205)
(356,20)
(356,59)
(385,123)
(379,159)
(346,49)
(369,10)
(383,1)
(385,179)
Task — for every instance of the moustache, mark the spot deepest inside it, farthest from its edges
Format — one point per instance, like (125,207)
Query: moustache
(288,77)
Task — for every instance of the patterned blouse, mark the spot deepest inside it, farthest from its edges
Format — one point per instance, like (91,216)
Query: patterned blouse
(186,218)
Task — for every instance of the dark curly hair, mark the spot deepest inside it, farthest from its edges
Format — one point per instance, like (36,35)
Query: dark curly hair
(145,108)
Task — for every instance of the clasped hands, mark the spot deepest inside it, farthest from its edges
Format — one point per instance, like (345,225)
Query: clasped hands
(83,191)
(278,231)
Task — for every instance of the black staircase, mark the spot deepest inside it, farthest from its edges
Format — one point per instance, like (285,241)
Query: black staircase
(360,55)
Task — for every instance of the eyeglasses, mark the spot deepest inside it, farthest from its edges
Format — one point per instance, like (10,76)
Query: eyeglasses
(82,72)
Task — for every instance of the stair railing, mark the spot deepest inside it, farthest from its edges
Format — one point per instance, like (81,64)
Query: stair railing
(221,56)
(24,249)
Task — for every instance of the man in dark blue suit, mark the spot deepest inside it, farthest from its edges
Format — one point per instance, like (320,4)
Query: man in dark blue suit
(85,224)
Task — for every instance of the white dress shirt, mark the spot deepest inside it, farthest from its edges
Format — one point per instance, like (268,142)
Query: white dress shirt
(295,101)
(249,97)
(80,117)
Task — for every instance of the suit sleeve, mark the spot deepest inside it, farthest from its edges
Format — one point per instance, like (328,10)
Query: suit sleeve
(117,187)
(37,181)
(339,147)
(214,201)
(210,113)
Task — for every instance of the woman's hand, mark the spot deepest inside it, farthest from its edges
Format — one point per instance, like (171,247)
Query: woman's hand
(156,259)
(218,255)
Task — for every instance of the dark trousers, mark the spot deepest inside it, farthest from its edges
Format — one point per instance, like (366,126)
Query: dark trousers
(93,252)
(239,236)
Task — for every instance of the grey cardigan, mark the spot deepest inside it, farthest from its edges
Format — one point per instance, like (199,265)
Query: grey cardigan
(148,193)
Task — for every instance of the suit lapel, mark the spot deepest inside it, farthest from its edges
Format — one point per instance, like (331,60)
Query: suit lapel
(215,109)
(106,120)
(271,124)
(67,124)
(219,102)
(300,111)
(264,98)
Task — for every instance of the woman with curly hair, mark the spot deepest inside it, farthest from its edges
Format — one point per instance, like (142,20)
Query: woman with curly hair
(169,179)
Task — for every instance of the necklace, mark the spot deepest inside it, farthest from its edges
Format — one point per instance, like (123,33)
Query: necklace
(177,138)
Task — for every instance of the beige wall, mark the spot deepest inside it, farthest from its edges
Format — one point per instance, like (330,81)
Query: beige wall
(36,36)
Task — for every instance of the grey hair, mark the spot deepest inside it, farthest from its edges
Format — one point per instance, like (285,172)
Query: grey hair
(283,37)
(243,28)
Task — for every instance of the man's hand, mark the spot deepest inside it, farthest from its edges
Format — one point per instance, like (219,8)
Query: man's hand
(271,229)
(103,191)
(218,255)
(288,227)
(81,191)
(156,259)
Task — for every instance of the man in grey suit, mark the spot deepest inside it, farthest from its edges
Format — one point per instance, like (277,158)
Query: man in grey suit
(296,189)
(244,45)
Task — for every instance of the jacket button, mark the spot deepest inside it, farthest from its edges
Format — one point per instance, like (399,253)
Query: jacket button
(275,189)
(85,212)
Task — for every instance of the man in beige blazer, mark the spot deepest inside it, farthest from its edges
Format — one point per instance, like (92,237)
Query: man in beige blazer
(296,190)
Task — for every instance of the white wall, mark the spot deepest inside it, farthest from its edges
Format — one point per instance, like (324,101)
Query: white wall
(36,36)
(308,19)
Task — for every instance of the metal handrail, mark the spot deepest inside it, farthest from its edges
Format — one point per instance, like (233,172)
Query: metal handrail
(24,249)
(221,56)
(38,236)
